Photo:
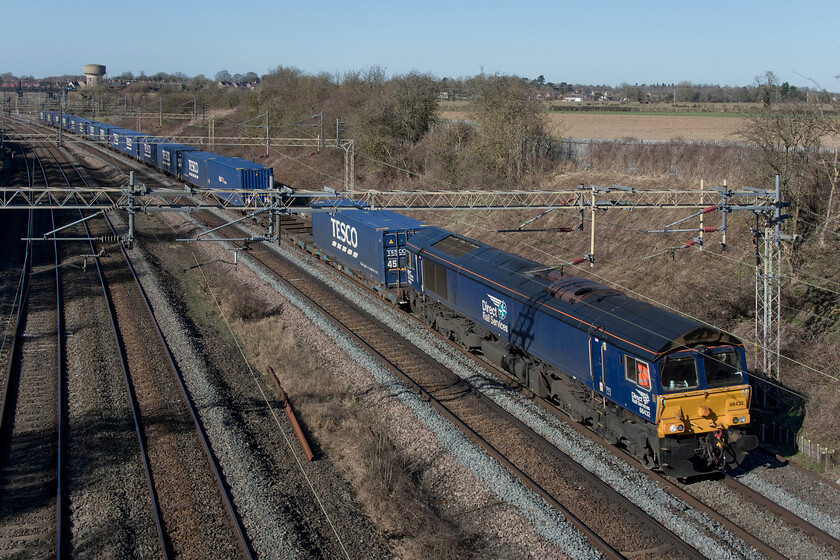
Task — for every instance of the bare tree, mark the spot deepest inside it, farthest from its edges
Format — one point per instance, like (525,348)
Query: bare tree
(512,134)
(397,118)
(768,88)
(788,135)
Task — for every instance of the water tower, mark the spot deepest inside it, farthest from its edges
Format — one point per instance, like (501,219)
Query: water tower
(94,73)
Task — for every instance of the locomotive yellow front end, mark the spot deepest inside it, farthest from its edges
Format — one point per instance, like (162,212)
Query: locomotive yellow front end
(703,411)
(703,431)
(700,412)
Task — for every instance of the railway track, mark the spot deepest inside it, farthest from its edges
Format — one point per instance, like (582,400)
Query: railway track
(152,378)
(768,552)
(189,501)
(177,491)
(787,517)
(583,500)
(31,413)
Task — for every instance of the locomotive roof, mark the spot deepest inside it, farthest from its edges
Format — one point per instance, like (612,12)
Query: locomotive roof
(632,325)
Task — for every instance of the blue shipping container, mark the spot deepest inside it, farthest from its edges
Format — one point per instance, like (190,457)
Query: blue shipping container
(371,242)
(130,142)
(194,168)
(77,124)
(147,149)
(102,132)
(170,155)
(114,137)
(90,130)
(237,173)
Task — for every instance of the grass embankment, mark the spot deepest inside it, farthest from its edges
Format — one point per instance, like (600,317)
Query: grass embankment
(388,482)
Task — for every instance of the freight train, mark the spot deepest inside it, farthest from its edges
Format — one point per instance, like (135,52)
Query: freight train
(671,391)
(200,169)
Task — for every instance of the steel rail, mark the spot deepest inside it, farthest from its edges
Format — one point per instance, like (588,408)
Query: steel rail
(684,549)
(666,484)
(59,506)
(236,522)
(782,512)
(14,352)
(23,287)
(59,502)
(133,404)
(158,517)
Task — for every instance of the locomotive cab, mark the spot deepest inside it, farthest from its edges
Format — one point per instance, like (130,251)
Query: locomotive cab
(702,409)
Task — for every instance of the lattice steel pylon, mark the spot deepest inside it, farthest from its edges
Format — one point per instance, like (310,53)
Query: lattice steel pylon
(768,290)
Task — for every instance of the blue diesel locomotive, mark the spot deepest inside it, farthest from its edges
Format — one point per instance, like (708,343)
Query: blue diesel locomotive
(671,391)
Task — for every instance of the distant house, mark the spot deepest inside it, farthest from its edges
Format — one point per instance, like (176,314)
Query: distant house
(236,85)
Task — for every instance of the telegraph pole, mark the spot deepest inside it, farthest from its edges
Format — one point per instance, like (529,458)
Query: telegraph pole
(61,113)
(320,126)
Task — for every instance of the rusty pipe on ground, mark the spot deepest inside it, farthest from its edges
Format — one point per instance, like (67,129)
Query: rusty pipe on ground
(304,444)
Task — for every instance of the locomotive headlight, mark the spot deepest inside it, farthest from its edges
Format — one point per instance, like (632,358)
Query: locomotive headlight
(674,428)
(735,420)
(743,419)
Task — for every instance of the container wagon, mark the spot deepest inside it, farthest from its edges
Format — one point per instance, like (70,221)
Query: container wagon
(372,243)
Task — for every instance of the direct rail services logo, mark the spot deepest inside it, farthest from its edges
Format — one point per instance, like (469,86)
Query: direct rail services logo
(495,312)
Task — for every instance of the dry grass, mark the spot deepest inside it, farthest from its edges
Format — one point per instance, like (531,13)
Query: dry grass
(388,481)
(643,127)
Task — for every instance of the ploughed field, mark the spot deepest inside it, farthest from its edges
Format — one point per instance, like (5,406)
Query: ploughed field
(646,127)
(617,126)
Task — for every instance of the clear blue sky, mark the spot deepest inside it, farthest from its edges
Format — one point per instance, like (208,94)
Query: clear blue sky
(600,42)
